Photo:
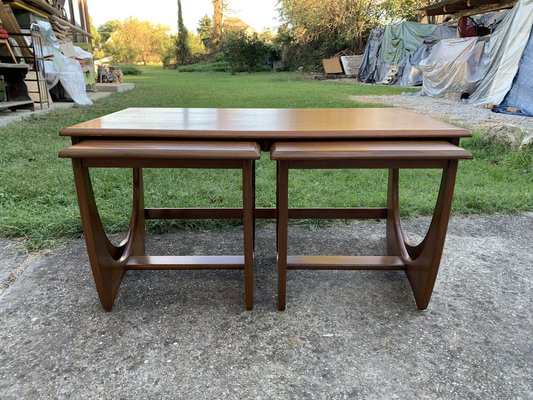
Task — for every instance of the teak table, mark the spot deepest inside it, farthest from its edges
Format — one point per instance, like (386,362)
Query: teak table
(384,129)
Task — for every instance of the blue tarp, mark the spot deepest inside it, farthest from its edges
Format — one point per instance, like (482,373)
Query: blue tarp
(521,94)
(367,70)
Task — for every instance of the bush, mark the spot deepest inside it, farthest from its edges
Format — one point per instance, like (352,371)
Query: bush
(130,70)
(243,52)
(205,67)
(217,64)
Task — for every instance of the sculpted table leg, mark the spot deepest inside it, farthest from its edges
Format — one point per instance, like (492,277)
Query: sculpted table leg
(107,261)
(422,261)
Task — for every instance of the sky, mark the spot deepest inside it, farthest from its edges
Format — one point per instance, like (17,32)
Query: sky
(259,14)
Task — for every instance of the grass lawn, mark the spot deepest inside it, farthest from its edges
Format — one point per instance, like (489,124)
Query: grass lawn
(38,201)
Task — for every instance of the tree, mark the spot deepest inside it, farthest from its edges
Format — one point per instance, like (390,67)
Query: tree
(96,41)
(220,7)
(205,32)
(168,53)
(136,41)
(243,51)
(400,10)
(314,29)
(183,53)
(107,28)
(196,45)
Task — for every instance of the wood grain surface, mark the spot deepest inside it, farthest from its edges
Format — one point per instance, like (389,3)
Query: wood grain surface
(266,124)
(162,149)
(367,150)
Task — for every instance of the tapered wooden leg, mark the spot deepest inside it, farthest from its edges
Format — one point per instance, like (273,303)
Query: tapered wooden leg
(282,195)
(248,229)
(423,260)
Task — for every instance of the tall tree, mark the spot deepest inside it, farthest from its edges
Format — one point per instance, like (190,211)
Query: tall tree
(183,52)
(136,41)
(219,8)
(218,15)
(205,31)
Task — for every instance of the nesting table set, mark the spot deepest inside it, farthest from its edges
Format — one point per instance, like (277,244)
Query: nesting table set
(355,138)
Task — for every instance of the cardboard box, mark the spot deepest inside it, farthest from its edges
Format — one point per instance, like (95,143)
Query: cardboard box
(332,65)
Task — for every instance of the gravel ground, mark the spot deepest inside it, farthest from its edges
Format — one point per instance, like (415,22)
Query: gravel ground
(344,335)
(452,111)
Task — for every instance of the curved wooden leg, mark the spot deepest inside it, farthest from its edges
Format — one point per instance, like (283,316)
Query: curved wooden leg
(133,244)
(282,220)
(393,216)
(398,243)
(422,261)
(107,260)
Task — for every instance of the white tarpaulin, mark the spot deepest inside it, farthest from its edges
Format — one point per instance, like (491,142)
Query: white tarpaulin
(452,67)
(62,68)
(502,55)
(520,97)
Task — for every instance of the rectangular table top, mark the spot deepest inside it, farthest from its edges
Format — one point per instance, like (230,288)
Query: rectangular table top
(266,124)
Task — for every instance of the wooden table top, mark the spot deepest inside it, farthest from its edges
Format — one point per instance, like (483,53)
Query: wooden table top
(266,124)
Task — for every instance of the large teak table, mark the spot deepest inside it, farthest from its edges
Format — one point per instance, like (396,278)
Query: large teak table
(266,127)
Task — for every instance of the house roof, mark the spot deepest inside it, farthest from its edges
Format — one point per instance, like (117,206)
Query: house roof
(236,23)
(467,7)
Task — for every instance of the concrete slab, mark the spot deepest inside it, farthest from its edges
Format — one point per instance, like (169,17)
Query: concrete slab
(344,335)
(8,117)
(114,87)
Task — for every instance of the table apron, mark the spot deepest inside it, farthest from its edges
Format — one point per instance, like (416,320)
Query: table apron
(367,164)
(162,163)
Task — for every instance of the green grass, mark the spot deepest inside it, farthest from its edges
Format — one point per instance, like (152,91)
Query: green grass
(38,201)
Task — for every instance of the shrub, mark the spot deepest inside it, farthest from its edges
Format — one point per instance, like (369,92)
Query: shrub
(243,52)
(217,64)
(130,70)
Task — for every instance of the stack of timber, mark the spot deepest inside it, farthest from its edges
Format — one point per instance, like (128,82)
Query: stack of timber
(10,24)
(17,13)
(51,10)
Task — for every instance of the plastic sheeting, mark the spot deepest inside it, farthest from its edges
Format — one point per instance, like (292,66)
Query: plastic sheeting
(62,68)
(392,54)
(502,54)
(70,74)
(402,39)
(82,54)
(397,42)
(491,20)
(370,56)
(453,66)
(412,74)
(521,94)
